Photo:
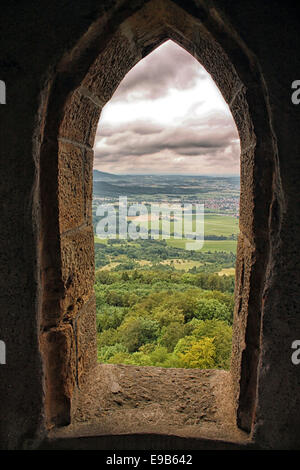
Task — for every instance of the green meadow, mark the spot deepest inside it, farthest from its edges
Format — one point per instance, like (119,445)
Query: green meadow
(209,245)
(214,225)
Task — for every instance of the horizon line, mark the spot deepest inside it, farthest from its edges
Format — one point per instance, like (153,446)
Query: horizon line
(169,174)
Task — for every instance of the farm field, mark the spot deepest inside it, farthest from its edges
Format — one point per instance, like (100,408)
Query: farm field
(227,272)
(209,245)
(220,225)
(214,224)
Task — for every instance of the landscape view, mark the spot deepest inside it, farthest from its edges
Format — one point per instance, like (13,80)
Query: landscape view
(161,299)
(157,302)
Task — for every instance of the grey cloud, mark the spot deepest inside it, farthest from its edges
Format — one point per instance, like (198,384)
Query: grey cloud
(138,127)
(216,119)
(180,140)
(142,145)
(168,67)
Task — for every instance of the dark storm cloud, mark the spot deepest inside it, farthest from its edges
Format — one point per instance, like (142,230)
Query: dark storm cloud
(166,68)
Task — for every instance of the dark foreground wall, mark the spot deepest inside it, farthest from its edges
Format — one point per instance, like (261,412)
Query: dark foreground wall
(38,43)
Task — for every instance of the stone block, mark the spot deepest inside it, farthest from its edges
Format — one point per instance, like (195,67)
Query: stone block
(77,251)
(86,337)
(119,56)
(70,186)
(247,194)
(58,350)
(240,112)
(88,185)
(81,115)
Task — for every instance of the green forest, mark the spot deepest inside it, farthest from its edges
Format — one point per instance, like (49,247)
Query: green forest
(156,313)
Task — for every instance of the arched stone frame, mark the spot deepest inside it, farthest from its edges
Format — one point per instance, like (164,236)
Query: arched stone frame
(84,81)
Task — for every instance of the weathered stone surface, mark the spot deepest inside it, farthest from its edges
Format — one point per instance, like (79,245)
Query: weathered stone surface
(133,399)
(88,185)
(240,112)
(213,58)
(80,114)
(118,55)
(247,194)
(243,291)
(71,186)
(77,269)
(58,349)
(86,338)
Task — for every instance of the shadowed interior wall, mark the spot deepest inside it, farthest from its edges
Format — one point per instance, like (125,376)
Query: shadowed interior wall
(47,233)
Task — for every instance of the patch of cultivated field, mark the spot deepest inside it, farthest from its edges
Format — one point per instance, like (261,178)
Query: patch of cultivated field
(182,264)
(227,272)
(209,245)
(213,224)
(114,264)
(110,266)
(100,240)
(144,262)
(220,225)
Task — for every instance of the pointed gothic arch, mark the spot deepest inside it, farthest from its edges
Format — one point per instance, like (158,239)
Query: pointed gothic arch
(84,81)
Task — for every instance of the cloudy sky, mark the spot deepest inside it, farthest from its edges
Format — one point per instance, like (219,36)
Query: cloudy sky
(167,117)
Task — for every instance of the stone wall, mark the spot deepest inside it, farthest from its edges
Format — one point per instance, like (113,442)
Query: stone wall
(58,76)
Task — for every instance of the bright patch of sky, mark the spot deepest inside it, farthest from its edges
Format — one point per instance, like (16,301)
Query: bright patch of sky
(167,116)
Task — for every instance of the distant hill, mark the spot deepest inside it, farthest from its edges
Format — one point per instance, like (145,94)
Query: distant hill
(111,185)
(103,176)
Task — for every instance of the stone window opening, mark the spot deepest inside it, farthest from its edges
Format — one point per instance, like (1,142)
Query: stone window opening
(123,120)
(68,339)
(151,400)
